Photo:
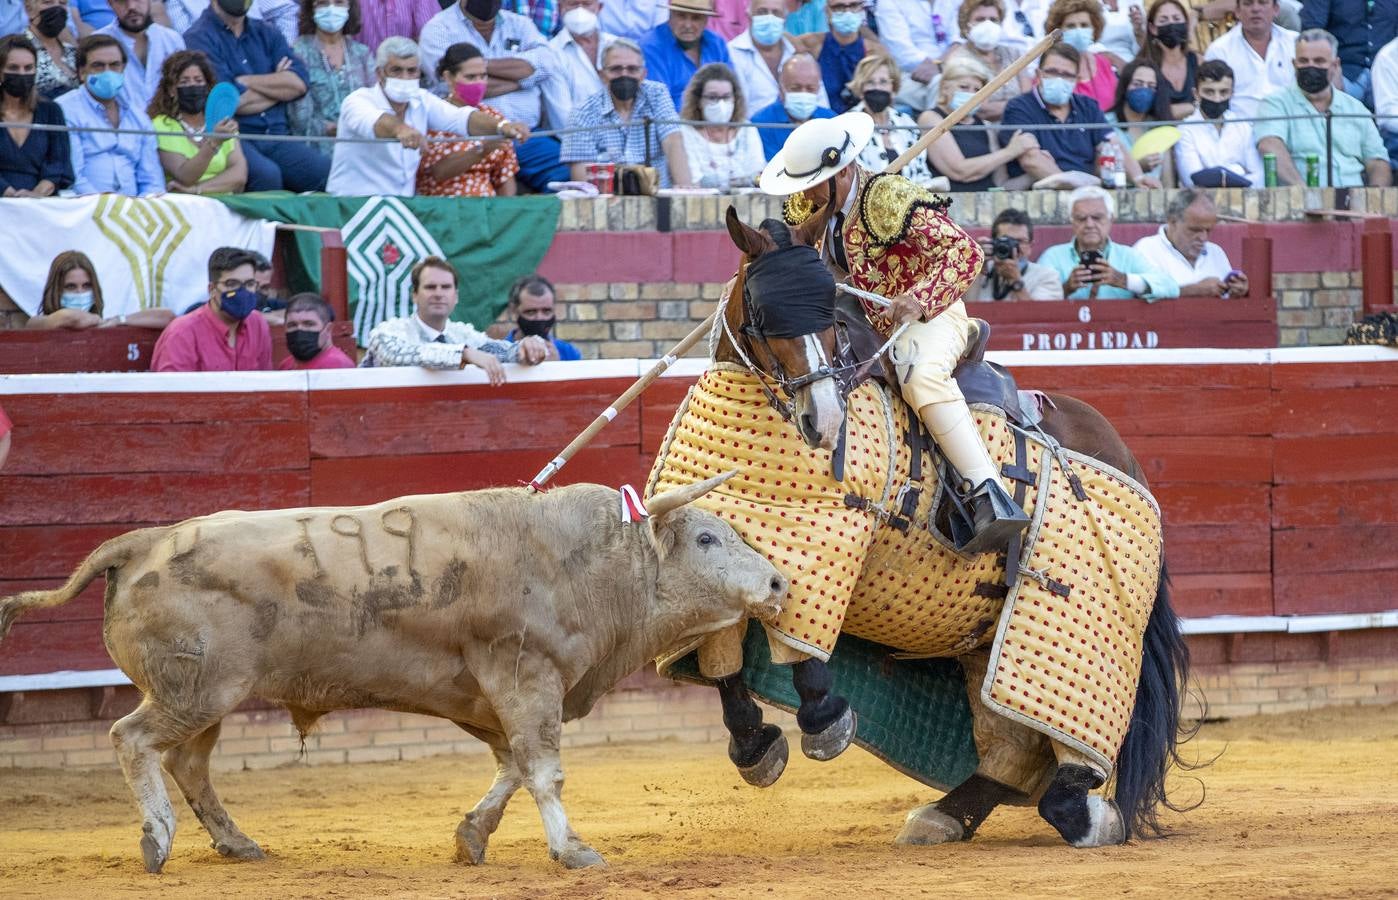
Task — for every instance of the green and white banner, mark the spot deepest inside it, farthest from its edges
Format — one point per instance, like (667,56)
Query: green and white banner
(491,241)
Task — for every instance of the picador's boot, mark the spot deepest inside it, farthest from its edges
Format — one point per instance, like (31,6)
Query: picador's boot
(987,516)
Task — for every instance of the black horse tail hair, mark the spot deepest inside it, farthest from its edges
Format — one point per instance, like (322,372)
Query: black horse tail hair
(1154,737)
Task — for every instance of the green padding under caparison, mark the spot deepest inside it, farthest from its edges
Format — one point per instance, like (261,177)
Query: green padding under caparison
(912,714)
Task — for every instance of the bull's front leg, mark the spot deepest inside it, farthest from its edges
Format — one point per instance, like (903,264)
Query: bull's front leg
(475,830)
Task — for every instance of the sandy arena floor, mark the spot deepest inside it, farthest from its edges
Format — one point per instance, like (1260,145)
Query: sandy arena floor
(1303,805)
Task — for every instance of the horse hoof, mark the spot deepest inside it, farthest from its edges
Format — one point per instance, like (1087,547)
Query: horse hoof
(927,826)
(831,742)
(1107,827)
(580,856)
(768,768)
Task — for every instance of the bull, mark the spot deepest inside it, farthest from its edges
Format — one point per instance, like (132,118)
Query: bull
(503,612)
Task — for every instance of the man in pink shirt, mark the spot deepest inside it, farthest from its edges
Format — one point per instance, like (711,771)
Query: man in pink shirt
(5,429)
(308,337)
(224,335)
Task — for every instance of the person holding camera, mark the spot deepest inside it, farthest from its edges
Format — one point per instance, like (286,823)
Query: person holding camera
(1008,274)
(1092,267)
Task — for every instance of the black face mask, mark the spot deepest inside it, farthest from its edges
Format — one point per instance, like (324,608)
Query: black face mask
(1213,109)
(482,10)
(52,21)
(1175,34)
(877,101)
(303,345)
(235,8)
(191,98)
(17,85)
(535,327)
(624,87)
(1313,79)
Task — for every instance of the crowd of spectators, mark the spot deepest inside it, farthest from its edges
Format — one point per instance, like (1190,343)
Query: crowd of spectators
(562,86)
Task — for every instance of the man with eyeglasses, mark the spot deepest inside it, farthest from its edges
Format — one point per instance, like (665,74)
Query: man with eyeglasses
(839,50)
(226,334)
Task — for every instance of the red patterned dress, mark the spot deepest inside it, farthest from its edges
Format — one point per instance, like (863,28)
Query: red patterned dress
(481,180)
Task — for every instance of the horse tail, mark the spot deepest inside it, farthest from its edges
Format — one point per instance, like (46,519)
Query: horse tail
(1153,739)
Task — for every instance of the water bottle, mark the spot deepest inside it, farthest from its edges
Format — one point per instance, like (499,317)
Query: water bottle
(1109,166)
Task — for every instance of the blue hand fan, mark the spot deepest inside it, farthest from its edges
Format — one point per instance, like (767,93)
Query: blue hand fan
(222,103)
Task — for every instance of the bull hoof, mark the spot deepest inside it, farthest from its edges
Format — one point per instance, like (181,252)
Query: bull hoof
(927,826)
(770,766)
(832,741)
(470,844)
(579,856)
(1106,828)
(246,849)
(154,851)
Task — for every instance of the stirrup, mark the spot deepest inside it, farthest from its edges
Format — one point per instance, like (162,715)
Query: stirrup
(985,519)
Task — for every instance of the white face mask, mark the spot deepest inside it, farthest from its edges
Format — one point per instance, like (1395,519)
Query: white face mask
(401,90)
(580,20)
(719,111)
(985,35)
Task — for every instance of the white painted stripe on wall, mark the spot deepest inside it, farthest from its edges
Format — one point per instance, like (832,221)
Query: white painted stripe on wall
(1209,625)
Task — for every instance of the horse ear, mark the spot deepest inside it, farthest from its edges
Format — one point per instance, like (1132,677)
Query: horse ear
(749,240)
(809,232)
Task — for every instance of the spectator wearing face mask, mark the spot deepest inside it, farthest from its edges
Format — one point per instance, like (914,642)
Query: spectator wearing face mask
(106,163)
(1138,100)
(1362,28)
(974,160)
(337,65)
(41,163)
(466,168)
(1354,155)
(577,49)
(1167,46)
(720,154)
(982,25)
(634,112)
(875,83)
(226,334)
(196,158)
(839,49)
(800,84)
(72,299)
(759,52)
(1082,23)
(533,308)
(676,49)
(57,69)
(1218,151)
(308,338)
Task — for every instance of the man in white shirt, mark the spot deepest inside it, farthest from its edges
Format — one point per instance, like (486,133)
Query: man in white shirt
(1259,52)
(147,44)
(577,50)
(918,34)
(759,52)
(399,109)
(1215,150)
(429,338)
(1384,73)
(1182,249)
(634,19)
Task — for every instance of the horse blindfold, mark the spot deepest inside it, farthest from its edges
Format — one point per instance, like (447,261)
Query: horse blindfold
(790,293)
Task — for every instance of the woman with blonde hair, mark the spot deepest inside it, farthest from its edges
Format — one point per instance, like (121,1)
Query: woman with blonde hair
(875,83)
(72,298)
(721,154)
(982,23)
(972,160)
(1082,23)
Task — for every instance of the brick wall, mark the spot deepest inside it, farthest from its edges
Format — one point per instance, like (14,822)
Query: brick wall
(644,708)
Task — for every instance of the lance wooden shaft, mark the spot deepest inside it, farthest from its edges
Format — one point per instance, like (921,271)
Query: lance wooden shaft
(977,99)
(611,412)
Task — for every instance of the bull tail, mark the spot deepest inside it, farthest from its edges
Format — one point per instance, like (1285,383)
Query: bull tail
(111,554)
(1152,741)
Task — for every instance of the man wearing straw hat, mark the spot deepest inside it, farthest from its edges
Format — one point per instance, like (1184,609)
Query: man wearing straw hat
(891,237)
(675,49)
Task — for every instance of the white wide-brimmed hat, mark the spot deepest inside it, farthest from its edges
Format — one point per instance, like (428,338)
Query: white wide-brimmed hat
(815,151)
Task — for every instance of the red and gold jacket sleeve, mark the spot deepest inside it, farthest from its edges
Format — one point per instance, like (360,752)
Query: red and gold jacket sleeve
(905,243)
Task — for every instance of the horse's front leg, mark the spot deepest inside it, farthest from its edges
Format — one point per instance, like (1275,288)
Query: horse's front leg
(826,720)
(758,750)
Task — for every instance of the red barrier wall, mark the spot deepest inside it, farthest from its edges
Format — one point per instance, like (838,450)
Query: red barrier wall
(1275,469)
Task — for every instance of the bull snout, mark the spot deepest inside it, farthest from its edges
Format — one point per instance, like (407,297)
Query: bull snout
(768,606)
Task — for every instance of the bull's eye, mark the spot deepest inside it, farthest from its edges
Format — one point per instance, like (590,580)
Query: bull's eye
(707,539)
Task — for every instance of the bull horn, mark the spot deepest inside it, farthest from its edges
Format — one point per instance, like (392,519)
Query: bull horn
(670,501)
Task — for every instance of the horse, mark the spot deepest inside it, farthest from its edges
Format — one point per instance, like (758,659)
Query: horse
(808,380)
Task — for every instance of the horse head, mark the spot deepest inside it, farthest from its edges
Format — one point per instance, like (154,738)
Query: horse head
(780,322)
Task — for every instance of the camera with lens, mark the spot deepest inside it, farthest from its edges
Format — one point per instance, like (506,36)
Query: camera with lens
(1004,247)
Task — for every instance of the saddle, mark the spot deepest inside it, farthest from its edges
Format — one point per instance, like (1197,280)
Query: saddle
(980,380)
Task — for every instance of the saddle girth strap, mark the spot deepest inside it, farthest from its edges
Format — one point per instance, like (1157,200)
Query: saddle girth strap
(1019,472)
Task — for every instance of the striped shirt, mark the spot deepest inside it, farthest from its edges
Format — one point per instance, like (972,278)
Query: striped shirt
(606,136)
(514,37)
(544,13)
(381,19)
